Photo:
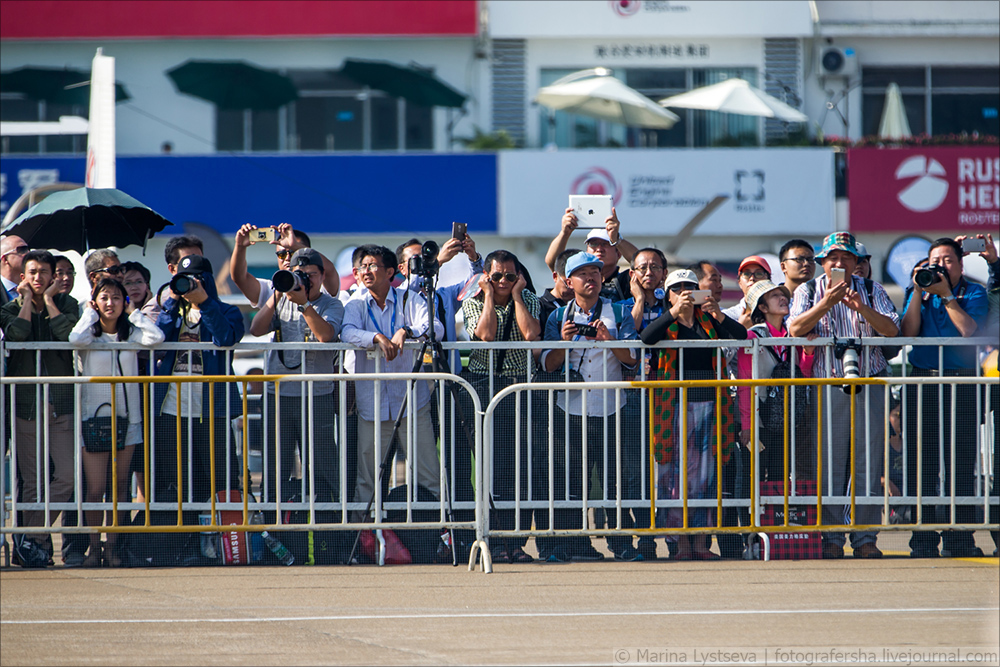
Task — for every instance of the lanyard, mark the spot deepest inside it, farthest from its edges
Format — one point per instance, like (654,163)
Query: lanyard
(392,323)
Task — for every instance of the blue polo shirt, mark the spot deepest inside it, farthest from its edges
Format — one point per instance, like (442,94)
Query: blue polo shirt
(934,322)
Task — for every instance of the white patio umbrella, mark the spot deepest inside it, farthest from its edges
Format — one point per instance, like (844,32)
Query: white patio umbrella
(894,124)
(736,96)
(596,94)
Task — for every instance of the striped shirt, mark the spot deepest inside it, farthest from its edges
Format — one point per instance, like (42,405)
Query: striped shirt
(515,362)
(842,322)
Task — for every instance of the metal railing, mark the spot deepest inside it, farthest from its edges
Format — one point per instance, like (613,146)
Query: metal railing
(628,429)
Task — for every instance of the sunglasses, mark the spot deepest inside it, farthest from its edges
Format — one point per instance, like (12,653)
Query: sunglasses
(759,274)
(681,287)
(283,254)
(19,250)
(111,270)
(511,277)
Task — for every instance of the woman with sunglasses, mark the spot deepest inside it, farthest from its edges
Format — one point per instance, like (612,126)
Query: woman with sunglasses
(685,319)
(505,310)
(107,321)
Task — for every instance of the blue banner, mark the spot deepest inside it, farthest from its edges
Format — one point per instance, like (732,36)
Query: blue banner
(319,194)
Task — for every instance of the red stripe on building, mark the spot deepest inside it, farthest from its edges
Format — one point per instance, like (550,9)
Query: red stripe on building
(164,19)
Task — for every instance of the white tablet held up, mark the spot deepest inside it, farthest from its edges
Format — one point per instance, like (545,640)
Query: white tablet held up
(591,210)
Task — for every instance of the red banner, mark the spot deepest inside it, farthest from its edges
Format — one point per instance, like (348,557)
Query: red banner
(115,19)
(924,189)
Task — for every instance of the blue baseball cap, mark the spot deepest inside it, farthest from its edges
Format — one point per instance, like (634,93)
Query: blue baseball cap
(580,260)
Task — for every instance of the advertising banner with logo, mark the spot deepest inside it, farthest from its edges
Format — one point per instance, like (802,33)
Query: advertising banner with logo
(924,189)
(320,194)
(771,191)
(636,18)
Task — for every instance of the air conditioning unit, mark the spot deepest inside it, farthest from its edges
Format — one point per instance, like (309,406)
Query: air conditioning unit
(836,61)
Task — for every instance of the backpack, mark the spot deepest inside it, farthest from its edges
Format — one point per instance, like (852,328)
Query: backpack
(888,351)
(771,413)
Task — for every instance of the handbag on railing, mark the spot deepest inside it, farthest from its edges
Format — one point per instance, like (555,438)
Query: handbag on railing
(97,430)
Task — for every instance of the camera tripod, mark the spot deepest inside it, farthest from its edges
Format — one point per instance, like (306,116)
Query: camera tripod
(438,364)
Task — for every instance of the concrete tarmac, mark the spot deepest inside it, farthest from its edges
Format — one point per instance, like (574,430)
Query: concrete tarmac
(661,612)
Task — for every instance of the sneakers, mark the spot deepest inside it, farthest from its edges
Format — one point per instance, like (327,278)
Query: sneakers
(73,559)
(963,552)
(28,554)
(648,549)
(924,552)
(630,554)
(833,551)
(557,555)
(867,550)
(586,552)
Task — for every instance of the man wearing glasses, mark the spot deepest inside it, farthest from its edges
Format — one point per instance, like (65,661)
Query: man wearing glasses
(379,320)
(12,252)
(797,262)
(753,269)
(286,242)
(303,314)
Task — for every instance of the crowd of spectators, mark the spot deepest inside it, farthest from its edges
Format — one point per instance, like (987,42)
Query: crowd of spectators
(591,298)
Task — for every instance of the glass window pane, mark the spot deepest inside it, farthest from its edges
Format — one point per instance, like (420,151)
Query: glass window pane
(58,143)
(954,114)
(871,113)
(264,130)
(345,124)
(228,130)
(309,123)
(385,128)
(419,127)
(657,79)
(880,77)
(977,77)
(12,109)
(714,128)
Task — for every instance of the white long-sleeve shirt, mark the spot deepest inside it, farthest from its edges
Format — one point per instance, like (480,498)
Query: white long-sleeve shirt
(100,363)
(363,320)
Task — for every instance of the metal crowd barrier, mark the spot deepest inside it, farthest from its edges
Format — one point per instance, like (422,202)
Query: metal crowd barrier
(632,425)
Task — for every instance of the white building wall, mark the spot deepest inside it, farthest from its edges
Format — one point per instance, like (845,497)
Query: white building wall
(142,65)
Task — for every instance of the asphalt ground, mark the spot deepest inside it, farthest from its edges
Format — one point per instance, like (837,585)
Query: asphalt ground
(663,612)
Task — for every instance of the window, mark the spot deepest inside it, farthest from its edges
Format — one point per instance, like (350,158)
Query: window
(694,129)
(333,113)
(938,100)
(17,108)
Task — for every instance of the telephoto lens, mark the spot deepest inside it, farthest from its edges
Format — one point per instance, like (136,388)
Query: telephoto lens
(852,367)
(289,281)
(181,284)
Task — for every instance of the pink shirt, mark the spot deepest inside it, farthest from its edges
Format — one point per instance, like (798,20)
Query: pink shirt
(744,362)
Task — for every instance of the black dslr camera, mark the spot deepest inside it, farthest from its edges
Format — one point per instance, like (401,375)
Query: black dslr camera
(182,283)
(426,263)
(928,275)
(289,281)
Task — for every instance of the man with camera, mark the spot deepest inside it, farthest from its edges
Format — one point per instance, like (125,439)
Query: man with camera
(838,303)
(380,320)
(286,241)
(192,312)
(943,303)
(298,310)
(589,316)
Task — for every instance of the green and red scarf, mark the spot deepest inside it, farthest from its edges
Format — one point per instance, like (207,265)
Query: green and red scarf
(664,402)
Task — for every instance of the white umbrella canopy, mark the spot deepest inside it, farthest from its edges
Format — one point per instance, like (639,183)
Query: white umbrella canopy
(736,96)
(894,124)
(605,98)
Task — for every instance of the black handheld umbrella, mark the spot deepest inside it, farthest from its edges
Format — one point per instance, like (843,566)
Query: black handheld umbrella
(87,218)
(414,84)
(54,85)
(234,84)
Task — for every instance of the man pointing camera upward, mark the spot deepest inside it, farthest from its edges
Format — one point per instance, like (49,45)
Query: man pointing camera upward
(838,303)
